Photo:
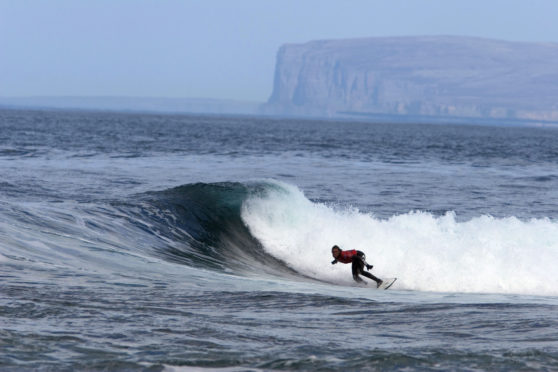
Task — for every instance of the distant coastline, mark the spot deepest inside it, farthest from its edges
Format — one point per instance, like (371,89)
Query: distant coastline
(215,107)
(238,111)
(134,104)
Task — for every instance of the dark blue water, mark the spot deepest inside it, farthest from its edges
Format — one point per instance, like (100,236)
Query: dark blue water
(161,242)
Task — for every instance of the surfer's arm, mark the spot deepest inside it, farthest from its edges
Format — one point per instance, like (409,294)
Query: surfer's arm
(362,256)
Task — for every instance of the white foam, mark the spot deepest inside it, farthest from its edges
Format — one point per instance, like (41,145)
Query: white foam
(428,253)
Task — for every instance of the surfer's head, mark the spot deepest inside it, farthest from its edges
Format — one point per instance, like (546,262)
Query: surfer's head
(335,251)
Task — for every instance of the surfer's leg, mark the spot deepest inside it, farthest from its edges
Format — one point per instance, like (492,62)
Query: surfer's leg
(374,278)
(356,269)
(359,264)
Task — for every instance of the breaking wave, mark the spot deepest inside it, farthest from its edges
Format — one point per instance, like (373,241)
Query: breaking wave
(426,252)
(271,228)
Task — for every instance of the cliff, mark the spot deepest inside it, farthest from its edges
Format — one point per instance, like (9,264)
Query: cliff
(432,76)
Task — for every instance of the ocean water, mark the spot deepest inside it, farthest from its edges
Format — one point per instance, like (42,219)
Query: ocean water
(164,242)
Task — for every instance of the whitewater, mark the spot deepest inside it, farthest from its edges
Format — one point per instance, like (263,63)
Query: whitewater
(428,253)
(169,242)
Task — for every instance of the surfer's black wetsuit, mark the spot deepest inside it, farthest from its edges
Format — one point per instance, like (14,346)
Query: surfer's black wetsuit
(359,260)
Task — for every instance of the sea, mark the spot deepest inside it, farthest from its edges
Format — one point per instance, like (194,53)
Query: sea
(155,242)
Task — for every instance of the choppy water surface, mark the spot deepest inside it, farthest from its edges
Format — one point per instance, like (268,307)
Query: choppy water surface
(133,241)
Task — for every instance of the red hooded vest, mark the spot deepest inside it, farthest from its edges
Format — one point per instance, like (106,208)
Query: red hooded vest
(347,256)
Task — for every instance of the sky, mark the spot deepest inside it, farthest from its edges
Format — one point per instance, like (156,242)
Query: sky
(223,49)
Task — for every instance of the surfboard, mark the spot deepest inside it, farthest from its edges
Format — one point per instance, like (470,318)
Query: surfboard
(388,282)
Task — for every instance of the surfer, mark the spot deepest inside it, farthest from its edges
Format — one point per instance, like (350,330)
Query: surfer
(358,260)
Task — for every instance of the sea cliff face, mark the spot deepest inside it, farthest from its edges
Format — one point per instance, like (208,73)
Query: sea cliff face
(431,76)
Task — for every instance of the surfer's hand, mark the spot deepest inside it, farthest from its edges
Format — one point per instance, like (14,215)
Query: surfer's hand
(333,262)
(368,267)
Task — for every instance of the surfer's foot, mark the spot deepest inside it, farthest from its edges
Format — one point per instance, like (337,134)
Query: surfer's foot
(378,284)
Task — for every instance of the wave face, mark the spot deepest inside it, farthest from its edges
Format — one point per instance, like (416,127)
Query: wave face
(426,253)
(206,220)
(272,228)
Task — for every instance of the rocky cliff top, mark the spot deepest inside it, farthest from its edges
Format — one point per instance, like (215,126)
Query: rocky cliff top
(431,75)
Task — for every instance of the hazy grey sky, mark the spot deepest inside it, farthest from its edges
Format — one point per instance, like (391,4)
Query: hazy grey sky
(218,49)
